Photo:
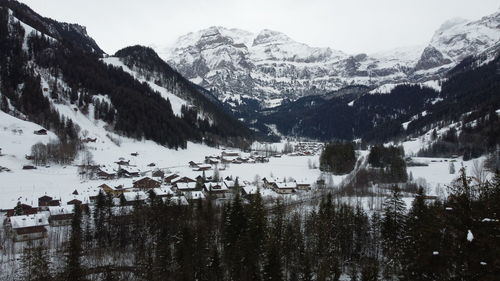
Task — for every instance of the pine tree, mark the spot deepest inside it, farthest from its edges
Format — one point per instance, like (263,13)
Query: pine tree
(74,270)
(393,230)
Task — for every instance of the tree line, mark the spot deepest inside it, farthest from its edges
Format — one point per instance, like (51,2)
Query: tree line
(453,239)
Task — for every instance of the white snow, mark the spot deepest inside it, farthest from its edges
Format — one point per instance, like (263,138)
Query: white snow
(470,236)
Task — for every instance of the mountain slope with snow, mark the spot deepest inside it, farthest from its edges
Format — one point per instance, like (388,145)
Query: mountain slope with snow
(270,66)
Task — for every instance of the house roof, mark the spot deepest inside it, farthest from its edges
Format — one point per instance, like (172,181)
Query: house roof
(215,186)
(162,191)
(146,180)
(186,185)
(194,195)
(251,189)
(134,196)
(28,221)
(61,210)
(286,185)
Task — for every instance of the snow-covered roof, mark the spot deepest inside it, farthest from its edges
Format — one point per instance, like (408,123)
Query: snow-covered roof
(194,195)
(251,189)
(217,186)
(134,196)
(29,220)
(61,210)
(286,185)
(162,191)
(186,185)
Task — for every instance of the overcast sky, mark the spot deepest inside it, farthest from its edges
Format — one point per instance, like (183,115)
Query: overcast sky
(353,26)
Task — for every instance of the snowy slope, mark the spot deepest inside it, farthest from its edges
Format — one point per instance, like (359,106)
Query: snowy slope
(175,101)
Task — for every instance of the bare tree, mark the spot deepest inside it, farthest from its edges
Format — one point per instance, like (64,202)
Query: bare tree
(479,173)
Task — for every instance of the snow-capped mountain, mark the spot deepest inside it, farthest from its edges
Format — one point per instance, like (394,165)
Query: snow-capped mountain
(271,67)
(458,38)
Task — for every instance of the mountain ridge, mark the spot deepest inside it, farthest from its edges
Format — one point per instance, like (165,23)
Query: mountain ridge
(269,66)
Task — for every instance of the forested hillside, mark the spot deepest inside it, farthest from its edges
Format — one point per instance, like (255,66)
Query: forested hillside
(73,74)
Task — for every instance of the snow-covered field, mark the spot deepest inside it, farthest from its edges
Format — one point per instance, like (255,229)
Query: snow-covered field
(60,181)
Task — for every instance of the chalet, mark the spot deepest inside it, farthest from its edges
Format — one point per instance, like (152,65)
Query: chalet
(29,167)
(230,153)
(74,202)
(217,190)
(146,183)
(21,209)
(28,227)
(61,215)
(203,167)
(212,160)
(230,159)
(302,185)
(162,192)
(182,179)
(269,183)
(192,196)
(45,201)
(118,190)
(132,198)
(171,177)
(105,173)
(186,186)
(284,187)
(128,172)
(40,132)
(261,159)
(229,183)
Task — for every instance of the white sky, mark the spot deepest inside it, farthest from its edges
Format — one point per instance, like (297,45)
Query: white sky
(353,26)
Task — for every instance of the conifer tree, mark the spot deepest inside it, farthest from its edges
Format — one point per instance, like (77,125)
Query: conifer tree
(74,269)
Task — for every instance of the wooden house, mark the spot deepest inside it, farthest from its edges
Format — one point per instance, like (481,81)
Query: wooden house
(146,183)
(133,198)
(114,191)
(40,132)
(217,190)
(193,196)
(28,227)
(45,201)
(61,215)
(171,177)
(284,187)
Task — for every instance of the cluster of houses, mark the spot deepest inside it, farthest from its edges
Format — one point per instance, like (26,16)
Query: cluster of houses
(25,222)
(307,149)
(234,157)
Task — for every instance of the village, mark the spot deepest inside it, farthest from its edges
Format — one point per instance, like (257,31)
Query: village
(128,186)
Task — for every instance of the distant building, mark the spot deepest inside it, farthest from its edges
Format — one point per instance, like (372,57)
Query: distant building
(28,227)
(61,215)
(40,132)
(45,201)
(146,183)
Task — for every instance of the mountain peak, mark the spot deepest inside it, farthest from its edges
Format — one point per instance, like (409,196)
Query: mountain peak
(451,23)
(267,36)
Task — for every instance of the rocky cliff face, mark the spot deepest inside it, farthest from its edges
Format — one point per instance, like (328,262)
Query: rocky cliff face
(271,68)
